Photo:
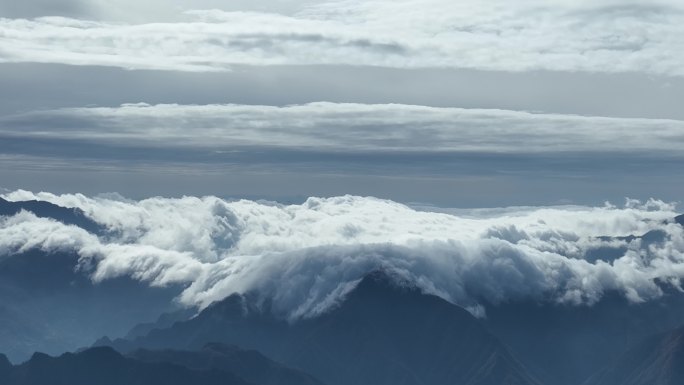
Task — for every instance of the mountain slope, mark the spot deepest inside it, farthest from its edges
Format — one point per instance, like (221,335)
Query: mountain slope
(46,305)
(680,219)
(657,360)
(248,364)
(66,215)
(383,333)
(566,344)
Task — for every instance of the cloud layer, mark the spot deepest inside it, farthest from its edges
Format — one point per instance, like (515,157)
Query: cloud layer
(602,36)
(334,127)
(308,256)
(448,156)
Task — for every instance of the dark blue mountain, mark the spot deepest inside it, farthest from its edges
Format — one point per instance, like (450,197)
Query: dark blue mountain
(247,364)
(680,219)
(655,360)
(566,344)
(46,304)
(68,216)
(5,366)
(384,333)
(104,366)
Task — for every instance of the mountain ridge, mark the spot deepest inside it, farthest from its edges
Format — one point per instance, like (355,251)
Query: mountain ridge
(105,366)
(384,332)
(43,209)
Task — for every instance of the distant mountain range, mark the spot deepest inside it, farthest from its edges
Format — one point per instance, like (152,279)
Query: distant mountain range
(47,305)
(247,364)
(213,364)
(104,366)
(385,333)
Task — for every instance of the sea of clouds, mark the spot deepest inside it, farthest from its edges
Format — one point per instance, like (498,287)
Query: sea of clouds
(307,256)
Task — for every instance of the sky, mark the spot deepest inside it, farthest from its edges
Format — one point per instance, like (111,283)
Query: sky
(457,104)
(362,135)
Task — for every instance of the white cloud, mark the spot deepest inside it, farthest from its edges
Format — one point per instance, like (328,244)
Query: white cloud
(308,256)
(348,128)
(604,36)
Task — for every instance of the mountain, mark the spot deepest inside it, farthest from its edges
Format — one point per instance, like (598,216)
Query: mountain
(104,366)
(385,332)
(5,366)
(566,344)
(47,305)
(656,360)
(68,216)
(163,321)
(248,364)
(680,219)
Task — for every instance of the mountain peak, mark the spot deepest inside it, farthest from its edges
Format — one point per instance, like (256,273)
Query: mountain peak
(5,363)
(43,209)
(38,357)
(102,352)
(680,219)
(384,280)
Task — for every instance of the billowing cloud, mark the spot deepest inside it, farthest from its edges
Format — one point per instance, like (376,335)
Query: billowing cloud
(307,256)
(346,128)
(602,36)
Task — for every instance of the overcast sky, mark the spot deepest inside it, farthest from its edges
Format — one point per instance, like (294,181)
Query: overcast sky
(462,104)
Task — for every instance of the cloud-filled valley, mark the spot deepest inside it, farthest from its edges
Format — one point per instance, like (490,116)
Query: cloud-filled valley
(307,256)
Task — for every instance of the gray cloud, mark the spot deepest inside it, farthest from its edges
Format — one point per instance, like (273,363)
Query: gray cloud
(42,86)
(307,256)
(490,35)
(38,8)
(346,128)
(409,153)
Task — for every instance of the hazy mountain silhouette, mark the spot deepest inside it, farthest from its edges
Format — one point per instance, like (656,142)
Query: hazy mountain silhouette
(164,321)
(385,332)
(104,366)
(42,209)
(656,360)
(247,364)
(46,305)
(566,344)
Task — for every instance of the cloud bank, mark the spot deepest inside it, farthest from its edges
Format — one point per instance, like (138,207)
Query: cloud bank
(604,36)
(307,256)
(347,127)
